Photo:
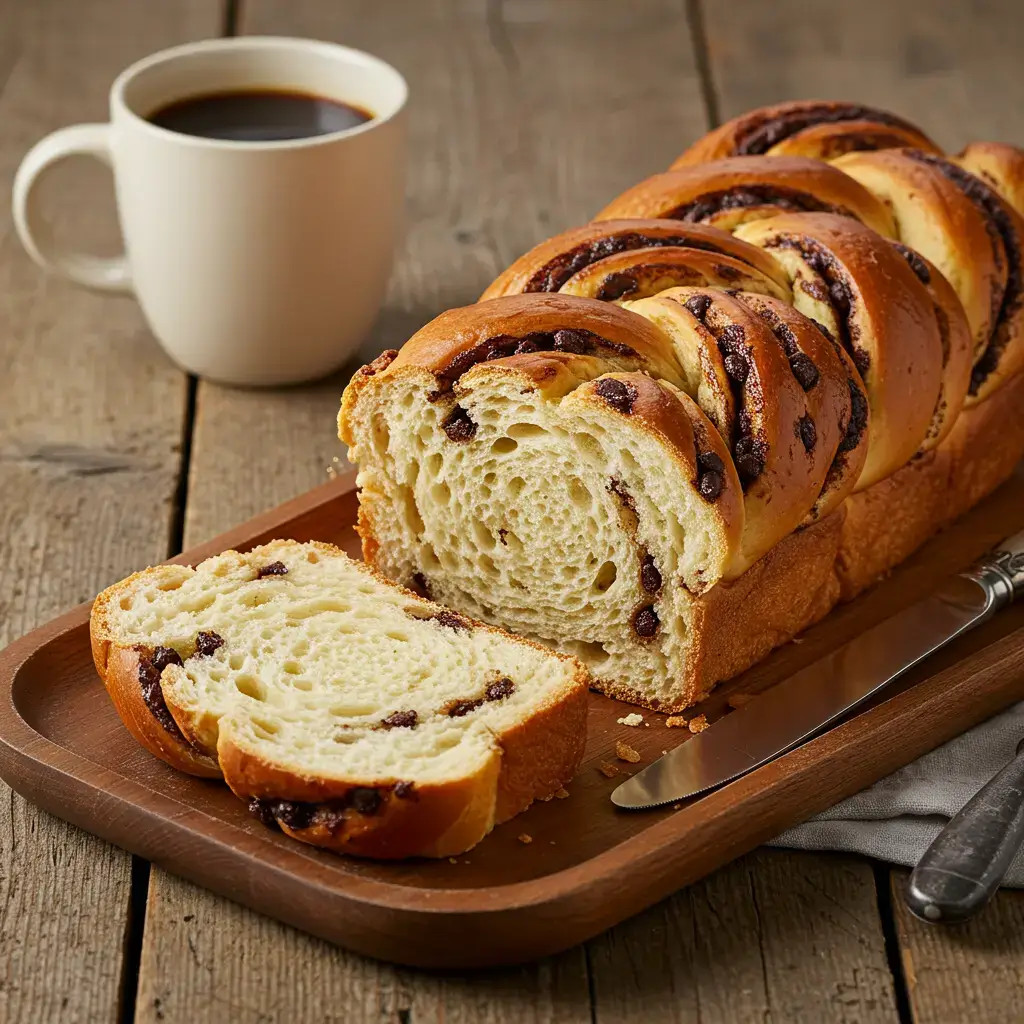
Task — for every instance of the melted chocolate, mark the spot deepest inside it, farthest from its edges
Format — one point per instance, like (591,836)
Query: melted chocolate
(150,667)
(745,196)
(650,577)
(759,137)
(458,425)
(577,341)
(558,270)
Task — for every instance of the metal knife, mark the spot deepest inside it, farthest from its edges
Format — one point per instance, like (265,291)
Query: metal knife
(801,706)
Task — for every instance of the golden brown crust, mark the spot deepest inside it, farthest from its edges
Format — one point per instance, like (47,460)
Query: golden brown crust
(799,127)
(726,193)
(999,165)
(886,523)
(456,333)
(120,676)
(638,273)
(937,220)
(547,266)
(437,820)
(737,623)
(884,317)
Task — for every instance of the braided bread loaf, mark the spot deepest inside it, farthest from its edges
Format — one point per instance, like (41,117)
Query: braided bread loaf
(670,439)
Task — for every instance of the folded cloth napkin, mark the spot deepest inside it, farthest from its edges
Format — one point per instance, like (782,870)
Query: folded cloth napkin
(897,818)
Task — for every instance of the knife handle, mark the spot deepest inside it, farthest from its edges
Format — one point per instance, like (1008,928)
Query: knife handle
(962,869)
(1001,572)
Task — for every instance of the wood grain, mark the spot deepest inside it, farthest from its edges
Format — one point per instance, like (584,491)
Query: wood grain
(91,416)
(950,67)
(967,972)
(771,937)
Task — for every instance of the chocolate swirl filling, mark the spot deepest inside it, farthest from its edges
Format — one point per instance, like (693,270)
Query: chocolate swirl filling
(749,450)
(1001,228)
(151,665)
(838,292)
(759,137)
(742,197)
(573,340)
(298,814)
(557,271)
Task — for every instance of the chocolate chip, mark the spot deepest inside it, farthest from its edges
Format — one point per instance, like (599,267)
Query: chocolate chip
(807,431)
(502,534)
(273,569)
(710,461)
(577,342)
(618,394)
(616,285)
(293,813)
(458,425)
(736,367)
(364,800)
(650,577)
(459,708)
(710,485)
(804,370)
(698,305)
(400,720)
(750,456)
(500,689)
(262,810)
(164,656)
(645,622)
(731,336)
(405,790)
(525,346)
(451,621)
(207,642)
(786,337)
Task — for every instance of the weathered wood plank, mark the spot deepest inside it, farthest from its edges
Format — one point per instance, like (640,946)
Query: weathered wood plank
(952,68)
(771,937)
(969,972)
(949,66)
(91,417)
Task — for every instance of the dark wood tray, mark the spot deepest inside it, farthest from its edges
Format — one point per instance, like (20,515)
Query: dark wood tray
(588,866)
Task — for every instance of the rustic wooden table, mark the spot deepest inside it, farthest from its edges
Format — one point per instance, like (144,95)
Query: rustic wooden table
(527,116)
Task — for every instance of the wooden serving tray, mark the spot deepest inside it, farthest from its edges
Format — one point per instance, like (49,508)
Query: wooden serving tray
(588,866)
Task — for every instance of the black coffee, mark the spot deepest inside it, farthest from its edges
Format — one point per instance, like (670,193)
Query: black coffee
(267,115)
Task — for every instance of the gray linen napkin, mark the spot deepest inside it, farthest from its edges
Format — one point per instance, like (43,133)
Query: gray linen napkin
(897,818)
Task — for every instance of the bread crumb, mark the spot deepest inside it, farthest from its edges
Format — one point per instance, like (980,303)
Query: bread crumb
(552,842)
(740,700)
(676,721)
(647,725)
(608,770)
(633,719)
(700,723)
(562,794)
(525,838)
(452,860)
(624,752)
(664,752)
(798,640)
(677,807)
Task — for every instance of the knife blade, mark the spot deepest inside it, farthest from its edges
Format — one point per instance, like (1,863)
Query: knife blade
(801,706)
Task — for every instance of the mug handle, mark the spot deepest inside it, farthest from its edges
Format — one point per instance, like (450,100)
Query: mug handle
(108,274)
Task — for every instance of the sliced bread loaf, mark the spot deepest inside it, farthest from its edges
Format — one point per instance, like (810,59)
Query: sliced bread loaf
(350,712)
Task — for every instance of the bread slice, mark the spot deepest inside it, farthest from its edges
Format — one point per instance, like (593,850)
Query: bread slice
(350,712)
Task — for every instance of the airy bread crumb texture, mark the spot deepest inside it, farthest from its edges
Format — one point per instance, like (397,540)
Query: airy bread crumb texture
(307,665)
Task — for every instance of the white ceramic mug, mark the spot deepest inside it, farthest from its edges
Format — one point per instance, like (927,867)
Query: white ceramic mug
(256,263)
